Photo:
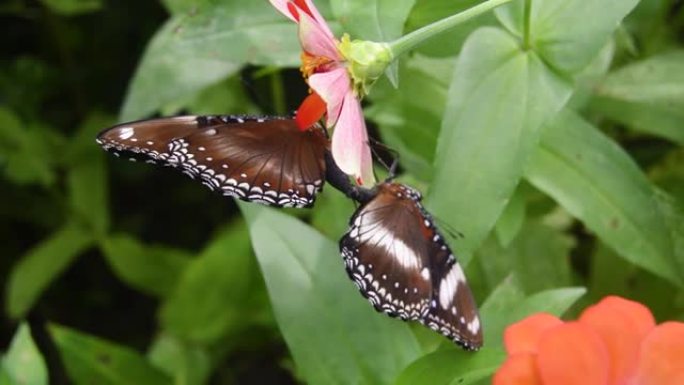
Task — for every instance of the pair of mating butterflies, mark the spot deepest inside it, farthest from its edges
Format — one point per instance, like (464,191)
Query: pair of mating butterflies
(392,250)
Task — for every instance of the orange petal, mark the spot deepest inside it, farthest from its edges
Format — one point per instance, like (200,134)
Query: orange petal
(572,354)
(519,369)
(622,325)
(523,336)
(310,111)
(661,361)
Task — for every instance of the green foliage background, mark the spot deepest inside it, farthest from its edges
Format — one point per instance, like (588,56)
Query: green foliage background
(549,133)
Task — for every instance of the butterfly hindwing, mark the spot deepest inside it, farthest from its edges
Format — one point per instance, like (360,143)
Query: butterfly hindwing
(259,159)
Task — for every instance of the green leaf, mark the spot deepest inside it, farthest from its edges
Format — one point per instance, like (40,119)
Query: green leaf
(334,335)
(5,378)
(212,295)
(91,360)
(30,155)
(193,51)
(88,192)
(450,365)
(541,257)
(332,211)
(23,363)
(507,305)
(647,96)
(512,218)
(152,269)
(73,7)
(498,100)
(376,20)
(566,34)
(12,134)
(185,363)
(597,182)
(34,272)
(409,117)
(179,6)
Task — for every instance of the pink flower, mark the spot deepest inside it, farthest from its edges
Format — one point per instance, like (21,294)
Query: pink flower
(325,69)
(615,342)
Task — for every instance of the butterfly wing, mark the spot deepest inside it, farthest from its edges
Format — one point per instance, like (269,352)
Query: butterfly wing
(264,160)
(385,260)
(400,262)
(453,311)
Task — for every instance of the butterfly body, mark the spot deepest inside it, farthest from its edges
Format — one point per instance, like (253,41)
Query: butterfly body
(401,263)
(267,160)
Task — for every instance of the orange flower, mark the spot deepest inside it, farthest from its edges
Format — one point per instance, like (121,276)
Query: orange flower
(615,342)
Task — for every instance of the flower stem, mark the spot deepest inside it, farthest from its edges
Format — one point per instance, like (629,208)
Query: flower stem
(412,39)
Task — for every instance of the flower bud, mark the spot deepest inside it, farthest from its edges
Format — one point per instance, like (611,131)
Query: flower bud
(366,61)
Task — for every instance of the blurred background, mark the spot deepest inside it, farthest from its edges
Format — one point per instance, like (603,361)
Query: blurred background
(127,254)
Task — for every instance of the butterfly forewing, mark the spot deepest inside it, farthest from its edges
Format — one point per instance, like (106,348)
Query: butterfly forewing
(260,159)
(399,261)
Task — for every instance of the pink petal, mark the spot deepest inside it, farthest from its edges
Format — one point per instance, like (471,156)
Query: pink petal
(319,18)
(350,147)
(316,39)
(281,5)
(332,87)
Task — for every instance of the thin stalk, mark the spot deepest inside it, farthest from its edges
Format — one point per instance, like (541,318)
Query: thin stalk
(412,39)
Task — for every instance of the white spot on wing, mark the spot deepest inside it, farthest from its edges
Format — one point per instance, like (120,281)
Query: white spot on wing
(380,236)
(126,133)
(449,284)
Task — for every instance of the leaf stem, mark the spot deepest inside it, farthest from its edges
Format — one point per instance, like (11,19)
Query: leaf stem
(526,24)
(412,39)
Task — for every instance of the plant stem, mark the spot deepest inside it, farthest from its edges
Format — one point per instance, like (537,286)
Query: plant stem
(412,39)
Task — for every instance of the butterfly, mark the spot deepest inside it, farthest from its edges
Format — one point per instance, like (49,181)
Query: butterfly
(401,263)
(263,159)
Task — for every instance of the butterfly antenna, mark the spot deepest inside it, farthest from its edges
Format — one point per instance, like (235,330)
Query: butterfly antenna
(391,169)
(453,233)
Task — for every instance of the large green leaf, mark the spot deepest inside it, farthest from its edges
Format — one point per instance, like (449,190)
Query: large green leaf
(23,363)
(43,264)
(376,20)
(512,218)
(567,34)
(409,116)
(334,335)
(91,360)
(597,182)
(194,50)
(212,296)
(647,96)
(498,100)
(152,269)
(452,365)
